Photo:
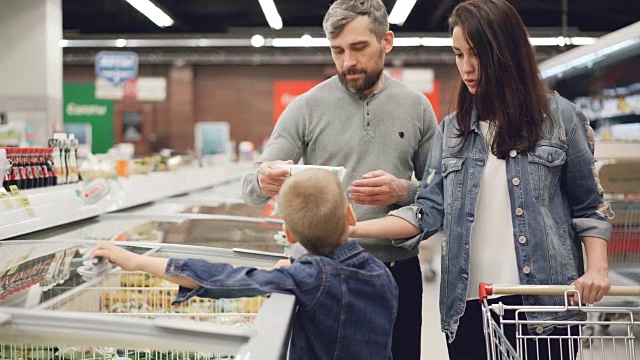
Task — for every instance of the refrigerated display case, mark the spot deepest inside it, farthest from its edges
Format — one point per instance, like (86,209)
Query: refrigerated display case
(53,310)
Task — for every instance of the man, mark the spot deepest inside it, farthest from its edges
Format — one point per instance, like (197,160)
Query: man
(374,126)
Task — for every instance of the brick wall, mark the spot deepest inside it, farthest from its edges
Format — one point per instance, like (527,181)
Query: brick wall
(240,95)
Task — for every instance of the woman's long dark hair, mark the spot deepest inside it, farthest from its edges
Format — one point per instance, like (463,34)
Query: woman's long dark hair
(510,91)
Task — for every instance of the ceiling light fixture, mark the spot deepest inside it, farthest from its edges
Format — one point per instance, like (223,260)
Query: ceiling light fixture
(154,13)
(435,41)
(401,11)
(304,41)
(257,40)
(408,41)
(271,13)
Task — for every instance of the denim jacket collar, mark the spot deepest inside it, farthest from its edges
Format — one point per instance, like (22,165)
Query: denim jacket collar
(345,251)
(474,120)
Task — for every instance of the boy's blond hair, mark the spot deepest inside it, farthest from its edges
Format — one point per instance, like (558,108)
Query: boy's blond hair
(314,209)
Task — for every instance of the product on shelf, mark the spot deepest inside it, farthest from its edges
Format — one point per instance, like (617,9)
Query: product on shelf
(30,168)
(5,165)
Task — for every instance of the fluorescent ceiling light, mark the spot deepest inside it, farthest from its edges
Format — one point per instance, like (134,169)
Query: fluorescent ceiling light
(150,10)
(271,13)
(435,41)
(408,41)
(257,41)
(401,11)
(583,40)
(543,41)
(305,41)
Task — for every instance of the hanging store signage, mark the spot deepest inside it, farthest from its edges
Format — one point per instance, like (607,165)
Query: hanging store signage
(141,89)
(116,67)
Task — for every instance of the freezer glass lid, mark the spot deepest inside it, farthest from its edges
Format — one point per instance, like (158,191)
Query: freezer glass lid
(33,271)
(226,233)
(234,209)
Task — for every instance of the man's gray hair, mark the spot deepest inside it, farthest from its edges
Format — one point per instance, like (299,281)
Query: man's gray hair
(342,12)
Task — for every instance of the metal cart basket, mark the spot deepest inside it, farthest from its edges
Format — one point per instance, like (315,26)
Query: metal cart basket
(614,339)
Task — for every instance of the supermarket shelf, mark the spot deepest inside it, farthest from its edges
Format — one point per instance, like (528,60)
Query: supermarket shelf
(618,150)
(50,207)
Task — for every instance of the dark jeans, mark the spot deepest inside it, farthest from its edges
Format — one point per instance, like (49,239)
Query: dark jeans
(406,330)
(469,343)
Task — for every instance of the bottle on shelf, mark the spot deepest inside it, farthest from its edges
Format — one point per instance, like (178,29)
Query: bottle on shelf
(72,160)
(14,177)
(51,170)
(58,143)
(5,166)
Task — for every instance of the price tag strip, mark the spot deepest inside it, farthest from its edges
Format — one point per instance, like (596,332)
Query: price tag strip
(27,206)
(6,200)
(22,201)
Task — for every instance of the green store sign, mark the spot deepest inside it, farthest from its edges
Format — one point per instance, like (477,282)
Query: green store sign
(81,106)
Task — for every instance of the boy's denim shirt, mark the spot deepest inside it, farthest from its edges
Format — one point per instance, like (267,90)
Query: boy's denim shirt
(347,301)
(555,196)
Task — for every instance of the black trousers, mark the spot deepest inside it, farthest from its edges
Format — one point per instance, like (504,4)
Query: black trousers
(469,343)
(407,329)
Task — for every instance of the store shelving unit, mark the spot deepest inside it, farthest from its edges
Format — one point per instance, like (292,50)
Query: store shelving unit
(40,209)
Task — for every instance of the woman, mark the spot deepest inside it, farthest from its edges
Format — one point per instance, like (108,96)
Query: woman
(511,181)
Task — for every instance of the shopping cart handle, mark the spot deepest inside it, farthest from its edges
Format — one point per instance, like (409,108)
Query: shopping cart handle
(486,290)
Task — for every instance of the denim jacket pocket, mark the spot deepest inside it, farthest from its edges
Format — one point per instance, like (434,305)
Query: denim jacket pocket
(545,164)
(452,178)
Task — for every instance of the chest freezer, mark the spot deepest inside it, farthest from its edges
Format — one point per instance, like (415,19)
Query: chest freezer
(49,311)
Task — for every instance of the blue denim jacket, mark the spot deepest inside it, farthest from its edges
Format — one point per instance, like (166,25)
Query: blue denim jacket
(347,301)
(555,196)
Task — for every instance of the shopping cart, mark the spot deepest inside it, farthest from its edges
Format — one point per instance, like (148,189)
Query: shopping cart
(614,340)
(624,246)
(125,315)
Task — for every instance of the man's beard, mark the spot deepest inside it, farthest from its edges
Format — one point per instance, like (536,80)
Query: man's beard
(361,85)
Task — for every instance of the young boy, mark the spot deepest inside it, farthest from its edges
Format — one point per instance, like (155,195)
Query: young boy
(347,299)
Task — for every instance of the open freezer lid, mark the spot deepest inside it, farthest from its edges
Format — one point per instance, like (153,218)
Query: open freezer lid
(36,271)
(29,270)
(214,230)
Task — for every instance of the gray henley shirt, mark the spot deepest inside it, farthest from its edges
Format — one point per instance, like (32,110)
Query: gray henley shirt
(391,130)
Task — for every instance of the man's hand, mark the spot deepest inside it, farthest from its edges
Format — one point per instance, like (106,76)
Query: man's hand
(378,188)
(271,178)
(127,260)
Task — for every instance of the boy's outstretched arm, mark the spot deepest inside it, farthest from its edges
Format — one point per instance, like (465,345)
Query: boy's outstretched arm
(388,227)
(129,261)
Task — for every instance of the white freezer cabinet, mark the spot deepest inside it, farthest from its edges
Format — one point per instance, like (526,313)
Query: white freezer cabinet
(123,315)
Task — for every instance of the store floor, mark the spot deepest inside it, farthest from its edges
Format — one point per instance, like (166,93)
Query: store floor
(433,342)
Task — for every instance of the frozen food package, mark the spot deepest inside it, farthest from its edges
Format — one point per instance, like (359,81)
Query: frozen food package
(338,171)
